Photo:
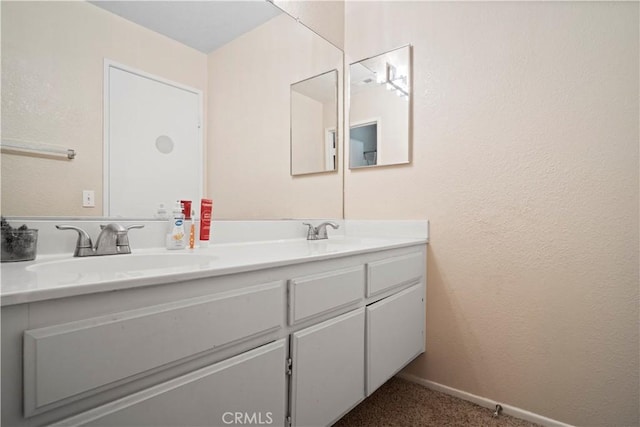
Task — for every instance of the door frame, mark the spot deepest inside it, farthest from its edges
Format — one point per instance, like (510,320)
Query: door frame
(330,148)
(106,137)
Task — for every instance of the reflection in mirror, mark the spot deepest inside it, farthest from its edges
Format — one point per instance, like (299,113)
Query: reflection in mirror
(53,62)
(314,124)
(364,144)
(379,110)
(249,135)
(54,92)
(150,125)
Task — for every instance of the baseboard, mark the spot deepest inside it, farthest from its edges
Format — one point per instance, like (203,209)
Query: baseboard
(483,401)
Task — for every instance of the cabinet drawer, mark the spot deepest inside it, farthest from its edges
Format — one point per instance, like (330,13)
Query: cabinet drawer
(391,272)
(251,385)
(73,358)
(395,334)
(310,296)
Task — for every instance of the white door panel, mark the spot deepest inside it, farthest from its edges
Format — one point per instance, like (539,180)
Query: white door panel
(153,144)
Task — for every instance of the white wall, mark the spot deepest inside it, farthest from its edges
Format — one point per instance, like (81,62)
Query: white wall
(525,159)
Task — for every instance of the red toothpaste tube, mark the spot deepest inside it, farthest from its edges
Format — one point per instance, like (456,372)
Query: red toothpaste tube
(206,209)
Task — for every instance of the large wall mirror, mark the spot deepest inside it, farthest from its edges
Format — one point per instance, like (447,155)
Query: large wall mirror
(380,110)
(242,56)
(314,124)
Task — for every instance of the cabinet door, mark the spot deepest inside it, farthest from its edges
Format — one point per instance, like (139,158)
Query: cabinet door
(249,389)
(72,360)
(328,369)
(395,334)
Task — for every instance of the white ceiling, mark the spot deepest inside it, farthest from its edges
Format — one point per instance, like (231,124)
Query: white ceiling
(203,25)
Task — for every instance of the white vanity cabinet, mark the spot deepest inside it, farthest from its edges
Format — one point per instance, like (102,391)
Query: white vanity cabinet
(294,344)
(395,324)
(327,358)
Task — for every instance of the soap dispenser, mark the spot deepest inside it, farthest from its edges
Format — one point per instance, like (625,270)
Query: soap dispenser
(176,230)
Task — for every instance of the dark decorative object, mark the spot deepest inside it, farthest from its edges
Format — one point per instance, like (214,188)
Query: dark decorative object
(17,244)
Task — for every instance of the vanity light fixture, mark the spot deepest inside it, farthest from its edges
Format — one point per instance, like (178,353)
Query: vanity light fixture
(394,80)
(397,81)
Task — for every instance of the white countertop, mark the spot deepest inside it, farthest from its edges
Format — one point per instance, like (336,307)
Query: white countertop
(22,283)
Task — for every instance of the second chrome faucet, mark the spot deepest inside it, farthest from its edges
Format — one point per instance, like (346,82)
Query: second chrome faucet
(319,232)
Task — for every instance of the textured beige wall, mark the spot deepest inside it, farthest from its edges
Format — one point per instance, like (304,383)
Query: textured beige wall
(52,91)
(525,159)
(248,125)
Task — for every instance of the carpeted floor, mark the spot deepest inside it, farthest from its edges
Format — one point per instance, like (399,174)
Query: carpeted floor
(400,403)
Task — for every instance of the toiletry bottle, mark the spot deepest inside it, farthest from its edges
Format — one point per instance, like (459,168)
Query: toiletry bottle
(176,233)
(186,208)
(192,232)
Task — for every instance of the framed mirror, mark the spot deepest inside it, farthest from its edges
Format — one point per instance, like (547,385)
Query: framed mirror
(242,56)
(380,110)
(314,124)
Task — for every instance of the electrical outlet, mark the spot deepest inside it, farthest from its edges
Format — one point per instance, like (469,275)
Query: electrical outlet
(88,199)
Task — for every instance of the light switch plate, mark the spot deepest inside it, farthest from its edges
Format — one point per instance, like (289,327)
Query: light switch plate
(88,199)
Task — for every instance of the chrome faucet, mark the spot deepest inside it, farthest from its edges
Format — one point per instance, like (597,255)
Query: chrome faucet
(112,240)
(319,232)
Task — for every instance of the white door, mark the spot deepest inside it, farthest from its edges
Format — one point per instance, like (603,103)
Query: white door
(153,143)
(328,370)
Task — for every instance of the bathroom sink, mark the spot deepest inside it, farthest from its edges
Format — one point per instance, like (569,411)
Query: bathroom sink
(338,244)
(338,241)
(123,264)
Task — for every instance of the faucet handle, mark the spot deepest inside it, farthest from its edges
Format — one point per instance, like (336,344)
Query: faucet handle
(83,244)
(312,232)
(122,240)
(322,229)
(122,236)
